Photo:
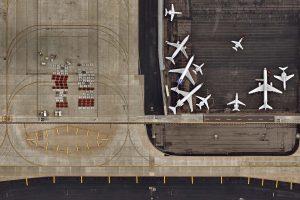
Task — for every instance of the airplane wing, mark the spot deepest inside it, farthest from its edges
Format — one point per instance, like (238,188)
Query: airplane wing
(278,77)
(258,89)
(241,46)
(176,45)
(189,76)
(190,101)
(180,71)
(184,52)
(206,103)
(241,103)
(230,103)
(172,8)
(234,42)
(201,98)
(172,16)
(289,77)
(272,89)
(183,93)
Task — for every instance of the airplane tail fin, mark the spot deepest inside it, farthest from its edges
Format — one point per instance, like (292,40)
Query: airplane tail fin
(236,109)
(234,48)
(173,109)
(265,106)
(283,68)
(166,12)
(200,107)
(171,59)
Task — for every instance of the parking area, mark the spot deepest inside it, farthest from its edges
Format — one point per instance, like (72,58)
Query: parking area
(271,40)
(69,59)
(212,139)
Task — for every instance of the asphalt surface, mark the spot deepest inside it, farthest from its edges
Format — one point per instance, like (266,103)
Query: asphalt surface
(271,31)
(230,139)
(147,188)
(149,65)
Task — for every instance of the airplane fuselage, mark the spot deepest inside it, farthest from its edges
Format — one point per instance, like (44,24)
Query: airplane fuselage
(185,70)
(283,76)
(265,87)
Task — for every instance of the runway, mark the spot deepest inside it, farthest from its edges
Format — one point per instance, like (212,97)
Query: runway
(148,188)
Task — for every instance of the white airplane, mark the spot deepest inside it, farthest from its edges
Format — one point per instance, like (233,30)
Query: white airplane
(179,47)
(203,102)
(187,97)
(265,88)
(236,103)
(185,71)
(172,12)
(283,77)
(238,44)
(198,68)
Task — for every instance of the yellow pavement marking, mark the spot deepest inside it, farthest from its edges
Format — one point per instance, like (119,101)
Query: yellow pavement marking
(262,182)
(53,179)
(77,131)
(248,180)
(57,148)
(291,185)
(192,180)
(26,180)
(81,179)
(164,180)
(136,179)
(108,180)
(276,184)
